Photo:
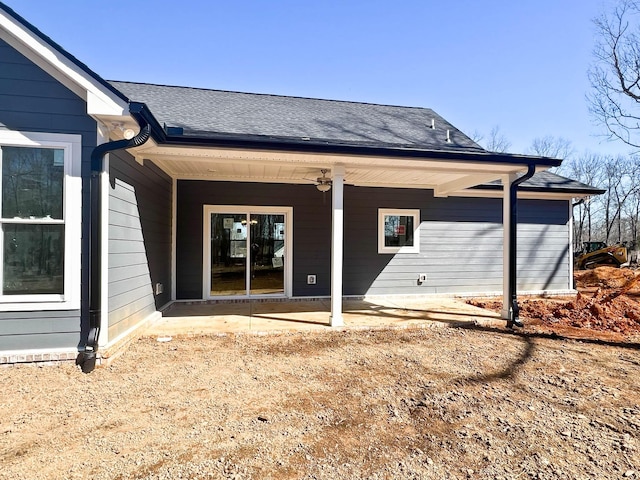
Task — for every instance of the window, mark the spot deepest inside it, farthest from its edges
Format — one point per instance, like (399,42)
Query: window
(40,195)
(398,231)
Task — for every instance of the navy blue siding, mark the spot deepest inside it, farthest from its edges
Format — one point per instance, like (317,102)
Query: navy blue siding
(311,229)
(31,100)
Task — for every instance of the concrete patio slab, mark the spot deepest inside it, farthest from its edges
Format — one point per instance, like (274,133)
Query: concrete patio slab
(260,316)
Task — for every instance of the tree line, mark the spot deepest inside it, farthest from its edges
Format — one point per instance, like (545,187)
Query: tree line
(614,103)
(612,217)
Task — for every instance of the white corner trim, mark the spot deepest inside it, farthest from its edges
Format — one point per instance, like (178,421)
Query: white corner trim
(100,100)
(103,338)
(570,239)
(174,233)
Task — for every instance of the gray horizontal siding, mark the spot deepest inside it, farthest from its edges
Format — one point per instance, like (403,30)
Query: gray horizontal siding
(31,100)
(460,244)
(39,330)
(139,241)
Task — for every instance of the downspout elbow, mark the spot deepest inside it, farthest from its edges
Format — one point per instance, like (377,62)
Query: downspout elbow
(87,358)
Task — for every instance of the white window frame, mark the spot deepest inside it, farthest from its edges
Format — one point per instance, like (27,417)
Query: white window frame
(404,212)
(72,220)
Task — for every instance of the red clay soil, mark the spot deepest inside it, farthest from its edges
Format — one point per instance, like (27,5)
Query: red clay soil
(606,307)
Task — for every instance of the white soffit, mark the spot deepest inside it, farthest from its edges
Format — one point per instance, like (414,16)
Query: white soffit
(100,101)
(444,177)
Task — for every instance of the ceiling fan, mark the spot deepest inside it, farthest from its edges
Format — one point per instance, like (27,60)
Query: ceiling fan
(323,183)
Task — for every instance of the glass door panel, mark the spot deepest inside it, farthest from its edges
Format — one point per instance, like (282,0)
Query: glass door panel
(228,254)
(267,237)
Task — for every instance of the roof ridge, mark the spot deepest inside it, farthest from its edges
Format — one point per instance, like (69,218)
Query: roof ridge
(277,95)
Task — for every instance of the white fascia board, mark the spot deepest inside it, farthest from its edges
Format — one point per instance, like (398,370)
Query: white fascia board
(100,101)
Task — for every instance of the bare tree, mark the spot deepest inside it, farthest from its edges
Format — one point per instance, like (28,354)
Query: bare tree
(553,147)
(615,76)
(477,136)
(587,168)
(630,209)
(497,142)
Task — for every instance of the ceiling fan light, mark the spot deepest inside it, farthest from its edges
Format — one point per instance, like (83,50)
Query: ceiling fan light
(324,187)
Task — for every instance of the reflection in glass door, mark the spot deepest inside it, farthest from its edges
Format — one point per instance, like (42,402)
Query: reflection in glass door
(228,254)
(246,252)
(267,254)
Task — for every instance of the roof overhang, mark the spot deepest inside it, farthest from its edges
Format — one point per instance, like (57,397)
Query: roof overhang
(102,99)
(444,176)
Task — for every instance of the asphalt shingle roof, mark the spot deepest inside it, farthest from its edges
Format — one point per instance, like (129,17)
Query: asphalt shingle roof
(202,112)
(549,181)
(208,113)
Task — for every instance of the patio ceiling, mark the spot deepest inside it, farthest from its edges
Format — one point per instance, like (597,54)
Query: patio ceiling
(225,164)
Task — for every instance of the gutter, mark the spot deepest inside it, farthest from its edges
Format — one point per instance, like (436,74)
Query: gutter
(514,316)
(87,358)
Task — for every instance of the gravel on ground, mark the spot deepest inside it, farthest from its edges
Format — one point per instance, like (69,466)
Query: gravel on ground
(442,403)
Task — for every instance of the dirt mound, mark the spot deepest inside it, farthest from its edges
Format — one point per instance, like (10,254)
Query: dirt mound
(607,303)
(605,277)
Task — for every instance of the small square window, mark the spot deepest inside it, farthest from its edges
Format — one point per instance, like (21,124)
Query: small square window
(398,231)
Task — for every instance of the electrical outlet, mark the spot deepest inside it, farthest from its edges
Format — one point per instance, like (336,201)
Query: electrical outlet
(311,279)
(422,278)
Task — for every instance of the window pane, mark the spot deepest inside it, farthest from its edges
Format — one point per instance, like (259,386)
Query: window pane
(33,259)
(398,230)
(32,181)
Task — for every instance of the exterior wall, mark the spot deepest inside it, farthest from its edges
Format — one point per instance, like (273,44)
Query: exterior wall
(311,229)
(31,100)
(139,241)
(460,245)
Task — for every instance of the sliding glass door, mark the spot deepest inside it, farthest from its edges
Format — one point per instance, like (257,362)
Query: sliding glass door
(247,251)
(228,265)
(266,258)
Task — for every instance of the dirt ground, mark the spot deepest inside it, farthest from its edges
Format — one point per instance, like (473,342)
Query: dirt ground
(607,307)
(421,403)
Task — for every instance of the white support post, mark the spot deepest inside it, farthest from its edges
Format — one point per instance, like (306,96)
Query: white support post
(337,241)
(571,282)
(507,180)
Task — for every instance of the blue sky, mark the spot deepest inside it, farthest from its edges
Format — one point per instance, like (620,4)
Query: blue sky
(519,65)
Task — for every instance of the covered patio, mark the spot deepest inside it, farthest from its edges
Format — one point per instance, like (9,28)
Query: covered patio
(269,316)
